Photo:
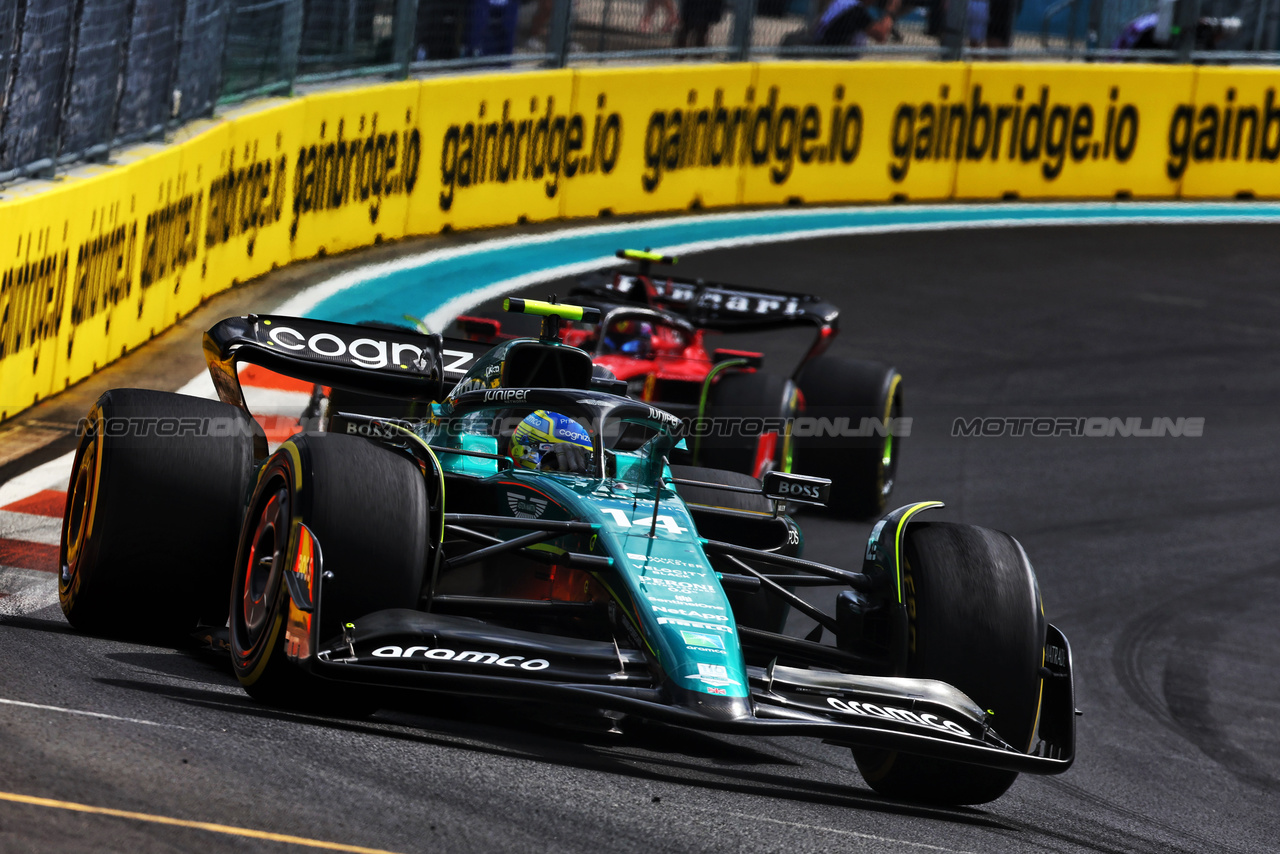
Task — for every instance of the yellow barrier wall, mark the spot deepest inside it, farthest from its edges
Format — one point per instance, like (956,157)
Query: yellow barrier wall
(100,260)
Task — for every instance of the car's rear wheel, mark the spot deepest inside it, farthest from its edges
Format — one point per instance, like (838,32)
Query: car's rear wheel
(754,408)
(848,406)
(975,622)
(152,514)
(366,506)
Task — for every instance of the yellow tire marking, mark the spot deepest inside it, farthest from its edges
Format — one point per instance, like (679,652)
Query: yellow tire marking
(194,825)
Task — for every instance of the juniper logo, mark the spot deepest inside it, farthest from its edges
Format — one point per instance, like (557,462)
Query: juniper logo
(1095,427)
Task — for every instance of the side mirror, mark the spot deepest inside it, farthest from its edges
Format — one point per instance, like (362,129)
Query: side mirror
(781,486)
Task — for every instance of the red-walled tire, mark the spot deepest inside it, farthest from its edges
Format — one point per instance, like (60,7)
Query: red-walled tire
(367,508)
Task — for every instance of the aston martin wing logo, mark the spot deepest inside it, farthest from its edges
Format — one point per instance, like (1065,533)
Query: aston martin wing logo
(526,506)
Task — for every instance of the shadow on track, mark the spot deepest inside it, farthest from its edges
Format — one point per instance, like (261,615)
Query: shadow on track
(487,730)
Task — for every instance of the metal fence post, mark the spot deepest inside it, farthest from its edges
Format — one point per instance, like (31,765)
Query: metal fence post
(1095,25)
(954,32)
(558,34)
(290,40)
(1187,16)
(74,33)
(349,29)
(406,24)
(744,15)
(1260,24)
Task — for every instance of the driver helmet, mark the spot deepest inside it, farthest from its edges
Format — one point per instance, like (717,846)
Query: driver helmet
(629,336)
(540,431)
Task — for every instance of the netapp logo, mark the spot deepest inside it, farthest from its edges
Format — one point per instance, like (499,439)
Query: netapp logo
(870,710)
(468,657)
(676,621)
(684,612)
(369,353)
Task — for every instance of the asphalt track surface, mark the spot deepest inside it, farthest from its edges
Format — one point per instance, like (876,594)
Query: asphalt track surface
(1159,557)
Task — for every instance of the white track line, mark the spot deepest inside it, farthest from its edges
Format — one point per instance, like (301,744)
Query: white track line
(64,711)
(51,475)
(870,837)
(45,530)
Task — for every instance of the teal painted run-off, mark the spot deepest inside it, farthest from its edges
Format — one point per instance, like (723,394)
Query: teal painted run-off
(443,275)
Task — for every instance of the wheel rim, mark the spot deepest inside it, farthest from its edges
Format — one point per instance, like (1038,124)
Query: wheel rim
(264,565)
(80,506)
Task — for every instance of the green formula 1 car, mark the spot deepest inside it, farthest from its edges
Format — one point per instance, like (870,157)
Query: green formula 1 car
(527,539)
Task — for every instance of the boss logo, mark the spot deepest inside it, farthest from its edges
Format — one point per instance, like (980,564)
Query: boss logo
(804,489)
(796,487)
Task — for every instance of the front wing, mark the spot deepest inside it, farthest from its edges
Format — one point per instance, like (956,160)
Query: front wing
(416,650)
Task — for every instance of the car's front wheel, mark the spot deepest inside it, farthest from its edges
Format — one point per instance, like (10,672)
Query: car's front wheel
(366,507)
(975,621)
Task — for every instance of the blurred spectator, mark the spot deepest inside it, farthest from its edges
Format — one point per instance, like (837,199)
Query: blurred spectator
(854,22)
(1000,17)
(670,16)
(1259,23)
(977,22)
(441,26)
(696,17)
(1148,32)
(538,28)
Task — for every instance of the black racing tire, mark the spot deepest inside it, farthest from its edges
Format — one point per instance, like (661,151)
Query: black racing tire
(153,512)
(747,395)
(367,508)
(861,468)
(975,622)
(754,610)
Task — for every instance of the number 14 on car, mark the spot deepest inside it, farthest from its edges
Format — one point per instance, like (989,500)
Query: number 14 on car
(622,520)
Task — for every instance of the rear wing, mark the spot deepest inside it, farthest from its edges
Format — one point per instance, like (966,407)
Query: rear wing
(732,309)
(373,360)
(711,305)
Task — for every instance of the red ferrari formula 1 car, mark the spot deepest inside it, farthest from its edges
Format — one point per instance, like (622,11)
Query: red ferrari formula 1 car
(830,416)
